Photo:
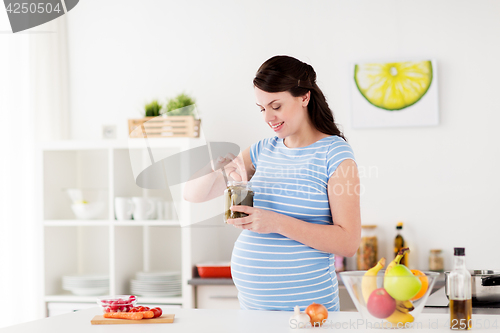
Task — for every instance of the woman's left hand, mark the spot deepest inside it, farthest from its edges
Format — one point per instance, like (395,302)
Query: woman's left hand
(258,220)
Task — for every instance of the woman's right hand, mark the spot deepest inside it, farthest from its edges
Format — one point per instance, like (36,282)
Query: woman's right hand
(233,166)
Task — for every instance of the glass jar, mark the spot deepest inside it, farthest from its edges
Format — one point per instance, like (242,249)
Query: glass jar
(237,193)
(368,249)
(436,261)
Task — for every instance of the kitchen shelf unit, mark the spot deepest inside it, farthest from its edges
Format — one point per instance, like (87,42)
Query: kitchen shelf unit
(150,223)
(107,246)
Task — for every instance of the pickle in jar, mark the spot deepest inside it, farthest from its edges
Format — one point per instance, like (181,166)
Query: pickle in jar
(227,205)
(237,194)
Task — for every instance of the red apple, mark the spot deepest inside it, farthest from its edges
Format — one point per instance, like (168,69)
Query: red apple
(380,304)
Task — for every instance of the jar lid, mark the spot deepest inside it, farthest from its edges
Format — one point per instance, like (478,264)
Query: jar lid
(369,226)
(237,183)
(436,250)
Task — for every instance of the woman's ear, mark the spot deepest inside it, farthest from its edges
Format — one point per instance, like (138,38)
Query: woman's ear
(306,98)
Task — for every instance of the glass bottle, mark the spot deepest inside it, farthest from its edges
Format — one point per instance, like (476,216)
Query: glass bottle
(436,261)
(237,193)
(460,294)
(399,243)
(368,249)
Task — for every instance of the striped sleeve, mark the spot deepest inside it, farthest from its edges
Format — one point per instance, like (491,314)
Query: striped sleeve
(255,150)
(338,152)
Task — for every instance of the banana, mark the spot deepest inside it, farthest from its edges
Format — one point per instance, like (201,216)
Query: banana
(398,258)
(404,306)
(369,281)
(401,318)
(400,315)
(356,293)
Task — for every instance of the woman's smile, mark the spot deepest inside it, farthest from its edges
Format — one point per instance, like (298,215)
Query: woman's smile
(276,126)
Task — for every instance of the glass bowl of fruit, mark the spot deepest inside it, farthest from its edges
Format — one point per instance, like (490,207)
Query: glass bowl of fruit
(390,298)
(120,303)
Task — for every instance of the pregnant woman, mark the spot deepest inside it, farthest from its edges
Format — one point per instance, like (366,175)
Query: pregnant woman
(306,195)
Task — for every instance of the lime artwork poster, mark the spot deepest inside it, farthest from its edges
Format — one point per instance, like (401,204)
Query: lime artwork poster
(394,94)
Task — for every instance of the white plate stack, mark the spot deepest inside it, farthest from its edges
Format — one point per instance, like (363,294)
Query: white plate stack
(86,285)
(156,284)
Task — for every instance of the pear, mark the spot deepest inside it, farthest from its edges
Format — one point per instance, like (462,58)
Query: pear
(401,284)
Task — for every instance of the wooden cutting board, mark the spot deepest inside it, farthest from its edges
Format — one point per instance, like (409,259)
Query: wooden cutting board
(163,319)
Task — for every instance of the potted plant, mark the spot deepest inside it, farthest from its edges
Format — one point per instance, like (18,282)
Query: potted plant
(181,112)
(182,124)
(137,127)
(181,105)
(152,109)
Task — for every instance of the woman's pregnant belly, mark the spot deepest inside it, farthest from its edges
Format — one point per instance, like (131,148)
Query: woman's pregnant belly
(273,272)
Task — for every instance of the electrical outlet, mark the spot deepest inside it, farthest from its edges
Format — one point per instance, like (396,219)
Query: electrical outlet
(109,132)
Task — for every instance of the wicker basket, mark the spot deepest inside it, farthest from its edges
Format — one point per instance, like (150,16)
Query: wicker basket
(164,127)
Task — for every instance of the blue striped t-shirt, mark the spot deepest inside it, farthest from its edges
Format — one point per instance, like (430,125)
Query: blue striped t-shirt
(271,271)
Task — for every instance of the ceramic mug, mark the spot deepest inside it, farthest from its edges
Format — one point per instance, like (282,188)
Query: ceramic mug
(123,208)
(158,213)
(144,208)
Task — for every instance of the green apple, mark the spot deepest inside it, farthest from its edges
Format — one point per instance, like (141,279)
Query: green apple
(401,284)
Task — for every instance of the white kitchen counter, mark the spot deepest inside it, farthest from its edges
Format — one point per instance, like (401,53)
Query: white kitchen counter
(200,320)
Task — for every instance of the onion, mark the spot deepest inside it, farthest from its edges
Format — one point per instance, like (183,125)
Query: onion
(317,312)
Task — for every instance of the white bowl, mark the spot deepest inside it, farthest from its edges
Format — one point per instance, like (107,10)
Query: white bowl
(79,195)
(88,211)
(89,291)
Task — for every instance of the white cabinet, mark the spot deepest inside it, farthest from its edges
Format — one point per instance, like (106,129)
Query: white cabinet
(57,308)
(217,297)
(210,296)
(346,303)
(107,246)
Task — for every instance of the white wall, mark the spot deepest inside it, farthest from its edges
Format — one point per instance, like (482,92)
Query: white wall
(441,181)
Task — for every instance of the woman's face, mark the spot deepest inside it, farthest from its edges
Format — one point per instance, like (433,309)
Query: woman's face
(285,114)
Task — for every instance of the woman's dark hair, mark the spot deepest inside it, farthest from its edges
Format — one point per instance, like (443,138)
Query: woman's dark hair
(284,73)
